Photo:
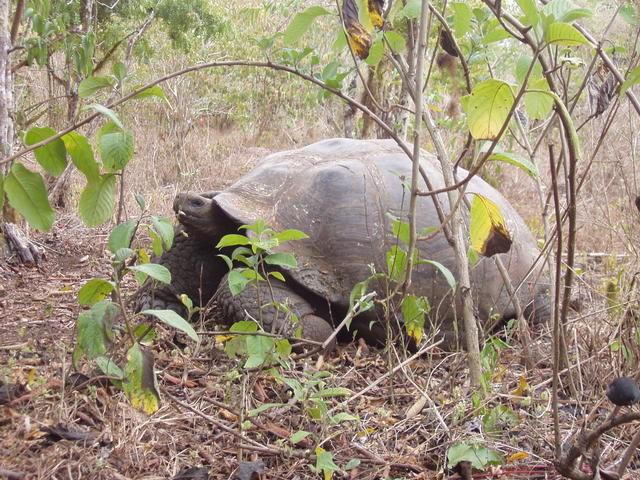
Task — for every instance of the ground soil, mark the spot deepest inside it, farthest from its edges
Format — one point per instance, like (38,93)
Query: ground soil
(401,427)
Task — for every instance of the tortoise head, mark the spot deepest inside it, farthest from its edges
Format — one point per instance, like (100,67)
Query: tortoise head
(199,214)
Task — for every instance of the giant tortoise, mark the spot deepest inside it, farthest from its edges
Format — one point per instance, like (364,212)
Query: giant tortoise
(343,194)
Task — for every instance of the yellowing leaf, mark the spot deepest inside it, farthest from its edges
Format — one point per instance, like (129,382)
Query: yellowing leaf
(358,36)
(374,7)
(487,108)
(488,231)
(522,386)
(517,456)
(140,384)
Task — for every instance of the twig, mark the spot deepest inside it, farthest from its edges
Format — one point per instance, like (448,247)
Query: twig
(352,313)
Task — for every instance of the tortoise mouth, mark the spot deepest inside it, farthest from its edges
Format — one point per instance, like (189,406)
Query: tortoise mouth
(194,213)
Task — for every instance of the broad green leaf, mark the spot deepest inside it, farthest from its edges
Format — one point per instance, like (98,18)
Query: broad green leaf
(487,108)
(121,235)
(155,91)
(629,14)
(94,330)
(107,112)
(283,348)
(109,367)
(282,259)
(396,41)
(342,417)
(119,70)
(97,200)
(94,290)
(412,9)
(174,320)
(53,155)
(479,455)
(299,436)
(488,230)
(165,229)
(461,18)
(301,23)
(515,159)
(632,79)
(277,275)
(259,349)
(237,282)
(123,253)
(232,239)
(91,85)
(116,149)
(565,11)
(400,230)
(81,154)
(154,270)
(414,310)
(538,104)
(396,263)
(332,392)
(292,234)
(140,385)
(244,326)
(263,407)
(27,194)
(325,463)
(522,66)
(495,35)
(564,34)
(376,52)
(530,11)
(446,273)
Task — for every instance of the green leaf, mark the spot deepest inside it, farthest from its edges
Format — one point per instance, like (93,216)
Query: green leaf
(119,70)
(81,154)
(53,155)
(495,35)
(154,270)
(107,112)
(94,330)
(172,319)
(479,455)
(629,14)
(259,349)
(414,310)
(233,239)
(301,23)
(97,200)
(140,385)
(109,367)
(121,235)
(277,275)
(397,43)
(461,18)
(412,9)
(281,259)
(488,230)
(538,104)
(342,417)
(154,91)
(515,159)
(332,392)
(487,108)
(237,282)
(165,229)
(396,263)
(376,52)
(123,253)
(324,463)
(91,85)
(564,34)
(522,66)
(299,436)
(530,11)
(446,273)
(632,79)
(565,11)
(116,147)
(27,194)
(94,290)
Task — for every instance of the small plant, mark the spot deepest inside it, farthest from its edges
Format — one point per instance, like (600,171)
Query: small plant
(99,339)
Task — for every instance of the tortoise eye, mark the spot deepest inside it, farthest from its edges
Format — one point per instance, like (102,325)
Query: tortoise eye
(196,202)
